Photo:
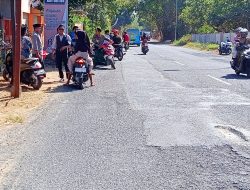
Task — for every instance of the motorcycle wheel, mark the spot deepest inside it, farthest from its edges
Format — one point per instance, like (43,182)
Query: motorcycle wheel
(111,62)
(80,85)
(220,52)
(229,51)
(120,56)
(237,72)
(37,84)
(248,75)
(6,75)
(112,65)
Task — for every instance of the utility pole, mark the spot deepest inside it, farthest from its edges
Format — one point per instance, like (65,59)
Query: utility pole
(176,17)
(16,15)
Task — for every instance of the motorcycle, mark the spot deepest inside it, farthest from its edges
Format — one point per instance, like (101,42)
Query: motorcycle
(104,55)
(118,51)
(7,54)
(31,72)
(126,46)
(7,66)
(225,48)
(144,47)
(80,72)
(243,63)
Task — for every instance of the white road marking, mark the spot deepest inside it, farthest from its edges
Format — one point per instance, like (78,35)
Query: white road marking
(219,80)
(177,62)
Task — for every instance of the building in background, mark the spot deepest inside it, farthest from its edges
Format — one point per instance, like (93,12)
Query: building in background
(30,16)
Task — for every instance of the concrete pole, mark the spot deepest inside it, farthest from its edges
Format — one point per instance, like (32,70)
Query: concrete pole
(176,17)
(16,14)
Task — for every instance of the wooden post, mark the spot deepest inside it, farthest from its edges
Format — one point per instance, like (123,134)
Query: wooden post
(16,14)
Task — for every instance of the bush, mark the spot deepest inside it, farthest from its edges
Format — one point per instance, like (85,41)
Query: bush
(183,41)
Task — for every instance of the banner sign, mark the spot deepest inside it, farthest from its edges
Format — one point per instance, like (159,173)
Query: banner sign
(55,13)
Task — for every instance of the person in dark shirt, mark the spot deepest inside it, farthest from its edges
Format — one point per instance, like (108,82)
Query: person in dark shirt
(82,49)
(116,38)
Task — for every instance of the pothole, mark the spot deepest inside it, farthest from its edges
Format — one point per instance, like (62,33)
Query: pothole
(233,134)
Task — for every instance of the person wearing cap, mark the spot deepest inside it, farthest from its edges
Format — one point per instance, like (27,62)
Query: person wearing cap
(37,42)
(60,46)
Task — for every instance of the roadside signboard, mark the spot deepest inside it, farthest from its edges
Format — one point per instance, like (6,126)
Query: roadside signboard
(55,13)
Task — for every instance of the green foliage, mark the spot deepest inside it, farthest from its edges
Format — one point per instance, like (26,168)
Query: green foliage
(194,16)
(220,15)
(183,41)
(100,13)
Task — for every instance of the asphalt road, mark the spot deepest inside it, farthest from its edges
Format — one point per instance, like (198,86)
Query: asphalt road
(173,119)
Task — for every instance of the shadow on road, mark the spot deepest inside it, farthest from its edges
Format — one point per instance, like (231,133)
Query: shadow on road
(63,89)
(139,54)
(103,69)
(234,76)
(172,70)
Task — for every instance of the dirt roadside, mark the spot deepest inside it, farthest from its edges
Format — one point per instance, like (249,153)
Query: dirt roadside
(16,111)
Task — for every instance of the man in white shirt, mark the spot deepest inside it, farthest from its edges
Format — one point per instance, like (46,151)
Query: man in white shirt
(60,46)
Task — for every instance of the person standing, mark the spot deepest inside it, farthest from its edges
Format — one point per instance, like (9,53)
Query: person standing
(73,35)
(60,46)
(37,49)
(107,35)
(26,44)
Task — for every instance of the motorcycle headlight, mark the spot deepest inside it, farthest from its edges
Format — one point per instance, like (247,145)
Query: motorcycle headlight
(37,65)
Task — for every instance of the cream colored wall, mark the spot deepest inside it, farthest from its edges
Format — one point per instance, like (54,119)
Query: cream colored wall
(25,10)
(26,6)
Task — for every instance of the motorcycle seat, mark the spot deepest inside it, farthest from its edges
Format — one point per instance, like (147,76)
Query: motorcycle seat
(29,60)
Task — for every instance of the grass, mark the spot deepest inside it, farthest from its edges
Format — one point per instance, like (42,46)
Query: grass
(14,119)
(183,41)
(202,46)
(186,42)
(16,111)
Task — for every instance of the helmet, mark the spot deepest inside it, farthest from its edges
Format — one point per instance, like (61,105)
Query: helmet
(243,32)
(115,32)
(238,29)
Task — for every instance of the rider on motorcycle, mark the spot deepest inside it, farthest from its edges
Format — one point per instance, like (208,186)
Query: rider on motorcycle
(116,38)
(242,41)
(235,40)
(144,38)
(126,37)
(98,38)
(82,49)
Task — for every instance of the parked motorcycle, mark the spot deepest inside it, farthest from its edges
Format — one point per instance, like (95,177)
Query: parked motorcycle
(31,71)
(7,66)
(80,72)
(104,55)
(7,54)
(225,48)
(144,47)
(118,51)
(243,63)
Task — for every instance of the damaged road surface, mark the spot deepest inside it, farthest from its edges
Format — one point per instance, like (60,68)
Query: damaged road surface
(159,121)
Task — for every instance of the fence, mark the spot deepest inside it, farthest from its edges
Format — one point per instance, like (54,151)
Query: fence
(212,38)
